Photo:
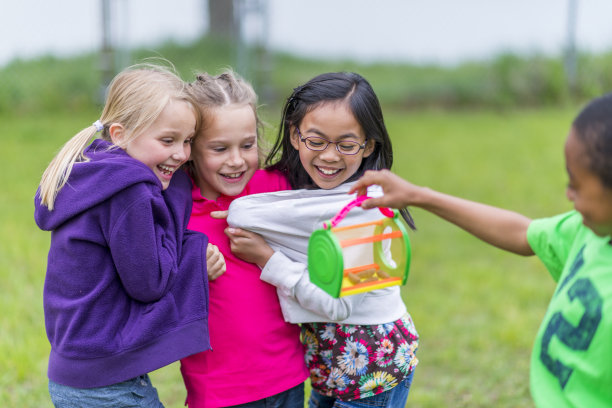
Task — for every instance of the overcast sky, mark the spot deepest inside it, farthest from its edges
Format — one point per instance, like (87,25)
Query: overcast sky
(445,31)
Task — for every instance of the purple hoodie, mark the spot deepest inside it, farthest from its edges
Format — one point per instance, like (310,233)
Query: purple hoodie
(126,288)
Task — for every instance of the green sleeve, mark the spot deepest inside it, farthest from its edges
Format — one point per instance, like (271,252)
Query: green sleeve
(551,239)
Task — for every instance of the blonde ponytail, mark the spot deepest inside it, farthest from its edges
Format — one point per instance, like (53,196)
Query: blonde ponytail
(136,98)
(58,171)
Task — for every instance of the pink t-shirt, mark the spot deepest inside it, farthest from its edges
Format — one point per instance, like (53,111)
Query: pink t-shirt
(255,353)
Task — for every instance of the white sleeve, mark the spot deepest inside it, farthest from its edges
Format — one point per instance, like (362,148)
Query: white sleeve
(292,280)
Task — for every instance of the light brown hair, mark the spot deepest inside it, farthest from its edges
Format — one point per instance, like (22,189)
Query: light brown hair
(136,97)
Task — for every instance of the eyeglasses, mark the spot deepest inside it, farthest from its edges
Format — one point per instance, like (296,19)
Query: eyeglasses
(319,144)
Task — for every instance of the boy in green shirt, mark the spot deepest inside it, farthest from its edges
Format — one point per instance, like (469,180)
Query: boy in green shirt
(571,363)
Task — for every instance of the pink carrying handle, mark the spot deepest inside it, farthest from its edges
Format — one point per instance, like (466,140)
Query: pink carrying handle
(355,203)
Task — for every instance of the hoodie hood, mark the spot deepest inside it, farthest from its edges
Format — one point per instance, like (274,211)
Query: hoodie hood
(109,171)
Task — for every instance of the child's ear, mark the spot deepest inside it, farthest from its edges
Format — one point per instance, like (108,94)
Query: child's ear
(117,133)
(294,138)
(370,144)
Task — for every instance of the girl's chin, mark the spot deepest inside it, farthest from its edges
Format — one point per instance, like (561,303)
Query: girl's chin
(164,182)
(327,184)
(232,189)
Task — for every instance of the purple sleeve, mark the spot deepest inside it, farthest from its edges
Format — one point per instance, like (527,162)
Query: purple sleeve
(149,242)
(144,247)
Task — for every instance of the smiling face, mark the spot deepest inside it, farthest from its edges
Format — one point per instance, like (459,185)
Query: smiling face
(225,154)
(585,189)
(166,144)
(333,122)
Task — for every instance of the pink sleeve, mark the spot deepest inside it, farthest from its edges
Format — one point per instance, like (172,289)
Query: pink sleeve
(265,181)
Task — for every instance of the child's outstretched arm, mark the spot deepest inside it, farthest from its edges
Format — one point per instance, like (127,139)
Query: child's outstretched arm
(499,227)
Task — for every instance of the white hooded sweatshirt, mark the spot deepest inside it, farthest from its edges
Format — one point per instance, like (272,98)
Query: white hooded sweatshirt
(286,219)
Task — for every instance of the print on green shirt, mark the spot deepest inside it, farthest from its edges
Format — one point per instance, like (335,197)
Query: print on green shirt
(575,337)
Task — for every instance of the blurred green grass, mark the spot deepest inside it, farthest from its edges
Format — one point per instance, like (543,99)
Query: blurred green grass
(476,308)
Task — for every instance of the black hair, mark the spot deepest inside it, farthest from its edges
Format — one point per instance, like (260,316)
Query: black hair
(593,127)
(333,87)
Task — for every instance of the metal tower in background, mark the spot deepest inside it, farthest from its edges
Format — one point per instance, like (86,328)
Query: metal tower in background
(570,50)
(107,62)
(253,59)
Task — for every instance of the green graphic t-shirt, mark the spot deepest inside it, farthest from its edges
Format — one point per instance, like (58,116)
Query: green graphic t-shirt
(571,363)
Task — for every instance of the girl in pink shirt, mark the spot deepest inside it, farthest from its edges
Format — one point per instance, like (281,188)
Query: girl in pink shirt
(257,358)
(361,349)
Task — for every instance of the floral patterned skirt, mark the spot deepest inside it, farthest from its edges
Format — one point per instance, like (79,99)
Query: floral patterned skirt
(353,362)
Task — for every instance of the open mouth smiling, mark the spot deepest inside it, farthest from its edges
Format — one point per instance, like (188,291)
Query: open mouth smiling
(327,171)
(166,170)
(232,175)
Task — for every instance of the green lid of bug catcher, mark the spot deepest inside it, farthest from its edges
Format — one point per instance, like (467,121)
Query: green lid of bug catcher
(388,245)
(325,263)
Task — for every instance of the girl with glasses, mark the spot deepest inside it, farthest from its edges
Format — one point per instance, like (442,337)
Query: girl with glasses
(360,349)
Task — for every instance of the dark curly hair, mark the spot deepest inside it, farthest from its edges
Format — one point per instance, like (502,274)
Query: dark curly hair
(593,127)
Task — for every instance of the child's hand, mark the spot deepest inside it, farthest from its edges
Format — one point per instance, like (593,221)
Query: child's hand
(219,215)
(398,193)
(215,262)
(249,246)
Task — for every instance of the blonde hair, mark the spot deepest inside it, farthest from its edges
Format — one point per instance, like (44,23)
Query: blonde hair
(228,88)
(136,97)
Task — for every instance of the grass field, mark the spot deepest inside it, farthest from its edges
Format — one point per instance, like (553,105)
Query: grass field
(476,308)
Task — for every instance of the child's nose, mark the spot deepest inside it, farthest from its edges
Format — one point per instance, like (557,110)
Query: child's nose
(181,153)
(236,158)
(331,153)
